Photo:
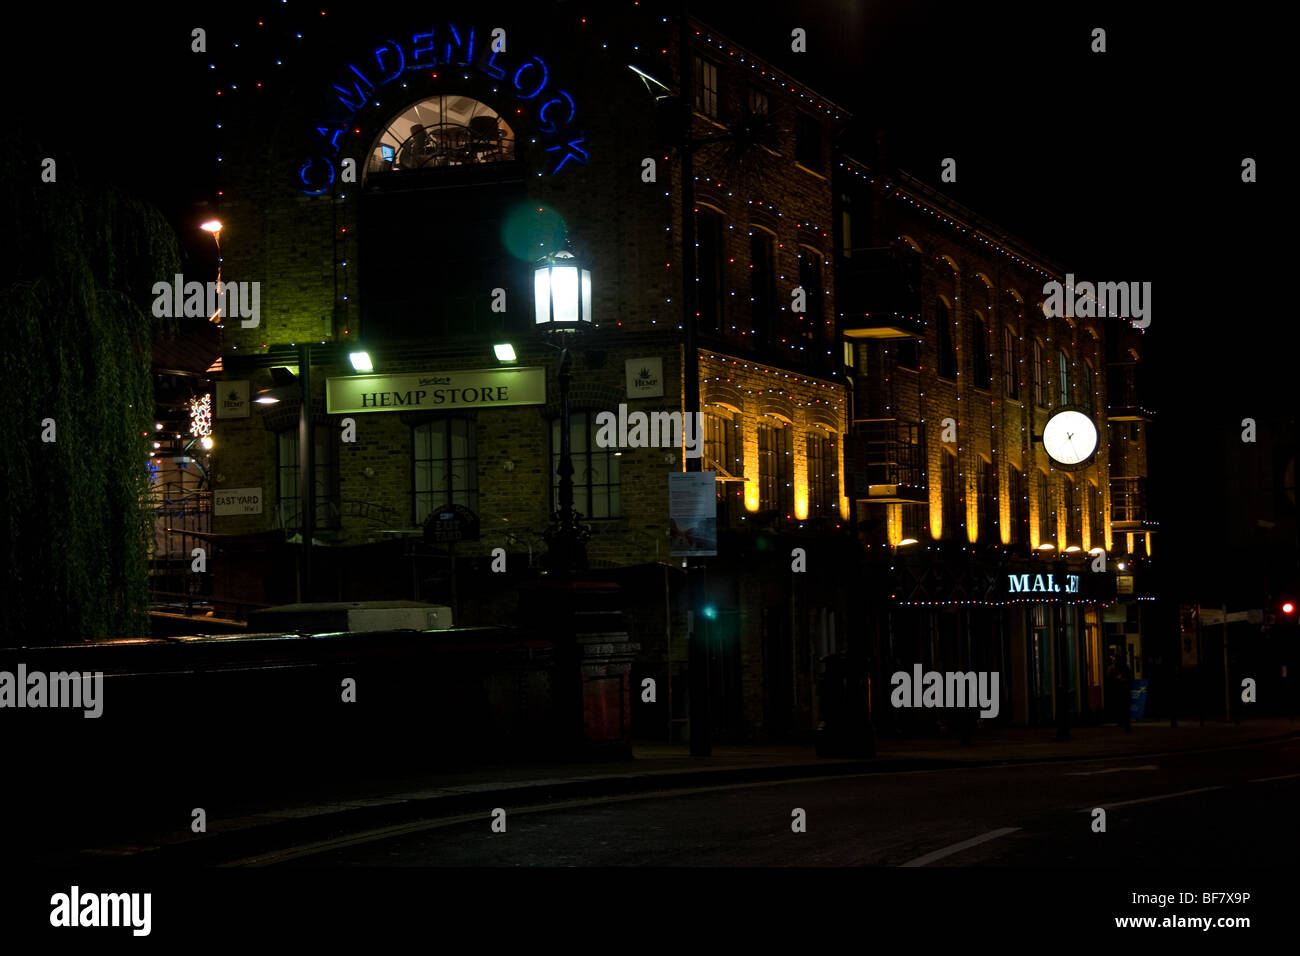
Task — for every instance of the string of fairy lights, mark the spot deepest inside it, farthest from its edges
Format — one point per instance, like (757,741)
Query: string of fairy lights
(810,238)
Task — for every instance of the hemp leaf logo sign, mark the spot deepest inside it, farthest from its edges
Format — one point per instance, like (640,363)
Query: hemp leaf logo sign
(645,372)
(233,397)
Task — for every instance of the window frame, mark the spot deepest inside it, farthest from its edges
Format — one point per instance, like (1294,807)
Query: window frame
(707,95)
(582,464)
(325,462)
(946,361)
(1040,393)
(1010,364)
(780,497)
(981,367)
(804,125)
(471,491)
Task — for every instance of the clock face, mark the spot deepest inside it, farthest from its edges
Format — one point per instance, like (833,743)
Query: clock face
(1070,437)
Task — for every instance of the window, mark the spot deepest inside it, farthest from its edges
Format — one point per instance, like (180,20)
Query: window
(948,489)
(823,476)
(987,503)
(813,326)
(979,341)
(1010,363)
(327,478)
(947,354)
(757,101)
(1046,532)
(775,469)
(709,268)
(706,87)
(908,354)
(1040,398)
(722,443)
(1063,377)
(597,484)
(762,282)
(443,131)
(1096,508)
(1089,400)
(1073,525)
(1018,506)
(445,462)
(808,142)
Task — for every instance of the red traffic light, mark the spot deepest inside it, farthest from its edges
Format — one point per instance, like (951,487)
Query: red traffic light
(1288,607)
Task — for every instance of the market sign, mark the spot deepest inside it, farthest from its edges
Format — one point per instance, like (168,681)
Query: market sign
(1045,583)
(436,391)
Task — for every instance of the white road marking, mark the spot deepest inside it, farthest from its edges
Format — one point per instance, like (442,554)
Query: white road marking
(1163,796)
(1093,773)
(1288,776)
(958,847)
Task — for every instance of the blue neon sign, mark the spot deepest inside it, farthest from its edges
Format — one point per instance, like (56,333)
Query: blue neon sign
(390,60)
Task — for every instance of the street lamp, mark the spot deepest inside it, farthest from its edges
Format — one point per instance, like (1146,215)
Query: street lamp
(213,226)
(562,300)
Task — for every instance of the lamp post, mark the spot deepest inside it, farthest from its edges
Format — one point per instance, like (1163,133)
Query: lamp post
(562,299)
(213,227)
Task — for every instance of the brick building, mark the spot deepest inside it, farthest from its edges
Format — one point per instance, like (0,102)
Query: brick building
(394,198)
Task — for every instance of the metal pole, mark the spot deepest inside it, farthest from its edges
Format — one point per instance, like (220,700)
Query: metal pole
(306,472)
(568,529)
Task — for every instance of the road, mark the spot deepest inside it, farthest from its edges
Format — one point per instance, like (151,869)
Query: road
(1229,807)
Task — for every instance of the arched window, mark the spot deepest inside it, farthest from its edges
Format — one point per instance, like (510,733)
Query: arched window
(762,284)
(1010,362)
(1040,397)
(1096,508)
(979,343)
(947,351)
(776,467)
(1063,377)
(710,267)
(813,326)
(1073,522)
(823,475)
(1018,506)
(987,503)
(443,131)
(1046,530)
(952,522)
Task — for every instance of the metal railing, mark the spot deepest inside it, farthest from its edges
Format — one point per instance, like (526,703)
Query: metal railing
(892,450)
(1128,500)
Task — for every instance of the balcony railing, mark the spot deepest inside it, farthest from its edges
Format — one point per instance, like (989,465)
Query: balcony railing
(878,293)
(886,457)
(1128,505)
(1124,394)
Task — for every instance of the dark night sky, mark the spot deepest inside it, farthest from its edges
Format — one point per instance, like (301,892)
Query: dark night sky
(1120,166)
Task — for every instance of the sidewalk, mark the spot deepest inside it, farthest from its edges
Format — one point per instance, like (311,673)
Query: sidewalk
(286,819)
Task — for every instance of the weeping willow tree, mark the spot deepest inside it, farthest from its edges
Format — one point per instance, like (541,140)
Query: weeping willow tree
(78,264)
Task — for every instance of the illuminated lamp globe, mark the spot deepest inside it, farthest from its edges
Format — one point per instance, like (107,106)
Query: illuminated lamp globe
(562,293)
